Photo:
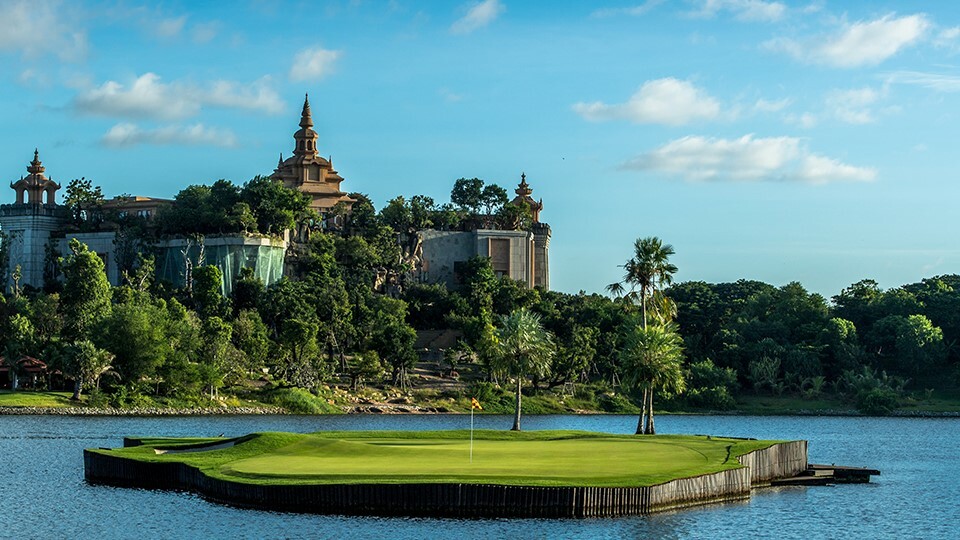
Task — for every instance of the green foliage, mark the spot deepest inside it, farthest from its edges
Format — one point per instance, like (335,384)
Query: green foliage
(274,206)
(86,294)
(877,401)
(262,205)
(467,194)
(85,204)
(299,401)
(207,295)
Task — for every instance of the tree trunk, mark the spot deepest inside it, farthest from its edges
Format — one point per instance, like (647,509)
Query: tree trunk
(77,388)
(14,379)
(643,413)
(516,415)
(650,429)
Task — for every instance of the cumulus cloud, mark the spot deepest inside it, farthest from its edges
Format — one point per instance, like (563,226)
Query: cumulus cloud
(662,101)
(748,158)
(632,11)
(863,43)
(744,10)
(478,16)
(149,97)
(126,134)
(313,64)
(39,27)
(853,106)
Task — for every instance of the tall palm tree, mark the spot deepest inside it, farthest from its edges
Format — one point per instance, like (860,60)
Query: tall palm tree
(648,271)
(652,361)
(650,268)
(524,348)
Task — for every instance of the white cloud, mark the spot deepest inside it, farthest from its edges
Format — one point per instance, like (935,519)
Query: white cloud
(744,10)
(805,120)
(478,16)
(746,159)
(313,64)
(149,97)
(767,106)
(662,101)
(853,106)
(168,28)
(204,32)
(39,27)
(863,43)
(126,134)
(632,11)
(933,81)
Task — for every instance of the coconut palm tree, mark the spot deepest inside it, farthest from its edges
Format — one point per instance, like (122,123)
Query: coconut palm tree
(652,361)
(524,348)
(648,271)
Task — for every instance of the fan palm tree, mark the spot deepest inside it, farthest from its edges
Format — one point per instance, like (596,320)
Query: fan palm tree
(652,361)
(524,348)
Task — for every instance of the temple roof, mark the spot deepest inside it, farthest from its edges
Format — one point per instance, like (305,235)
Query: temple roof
(524,192)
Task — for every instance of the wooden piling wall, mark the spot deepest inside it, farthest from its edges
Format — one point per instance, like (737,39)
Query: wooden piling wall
(457,500)
(782,460)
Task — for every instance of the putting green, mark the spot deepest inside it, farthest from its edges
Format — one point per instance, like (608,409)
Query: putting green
(537,458)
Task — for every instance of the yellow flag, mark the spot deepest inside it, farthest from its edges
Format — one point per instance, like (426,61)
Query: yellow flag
(474,404)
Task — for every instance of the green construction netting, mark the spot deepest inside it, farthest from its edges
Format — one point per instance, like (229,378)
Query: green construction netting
(266,262)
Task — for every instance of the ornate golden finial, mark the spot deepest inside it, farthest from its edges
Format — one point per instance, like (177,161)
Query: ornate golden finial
(523,189)
(36,167)
(306,119)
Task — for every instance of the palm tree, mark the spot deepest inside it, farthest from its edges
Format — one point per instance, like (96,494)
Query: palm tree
(647,272)
(652,360)
(524,348)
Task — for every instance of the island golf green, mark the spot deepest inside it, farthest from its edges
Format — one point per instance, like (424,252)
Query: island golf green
(536,458)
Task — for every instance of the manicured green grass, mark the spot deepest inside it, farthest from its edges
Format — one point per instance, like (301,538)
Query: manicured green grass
(30,398)
(538,458)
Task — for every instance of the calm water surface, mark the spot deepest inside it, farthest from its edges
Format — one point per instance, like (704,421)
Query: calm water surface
(917,496)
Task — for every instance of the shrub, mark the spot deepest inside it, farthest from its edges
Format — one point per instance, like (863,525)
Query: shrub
(878,401)
(484,391)
(300,401)
(617,403)
(716,398)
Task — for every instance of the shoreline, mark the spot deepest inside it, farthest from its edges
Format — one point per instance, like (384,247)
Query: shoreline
(413,410)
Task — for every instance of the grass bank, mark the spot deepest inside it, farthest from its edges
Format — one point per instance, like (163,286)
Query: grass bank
(539,458)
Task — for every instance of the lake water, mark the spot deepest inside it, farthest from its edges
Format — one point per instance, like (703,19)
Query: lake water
(917,496)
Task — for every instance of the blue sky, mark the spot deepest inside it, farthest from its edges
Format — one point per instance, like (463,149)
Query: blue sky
(780,141)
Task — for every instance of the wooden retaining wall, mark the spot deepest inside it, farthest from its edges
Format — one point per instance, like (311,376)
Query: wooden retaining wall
(782,460)
(457,500)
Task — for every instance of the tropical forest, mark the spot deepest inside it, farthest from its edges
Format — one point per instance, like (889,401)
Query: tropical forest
(329,337)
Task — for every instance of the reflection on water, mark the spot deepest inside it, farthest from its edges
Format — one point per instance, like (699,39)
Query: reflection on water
(917,495)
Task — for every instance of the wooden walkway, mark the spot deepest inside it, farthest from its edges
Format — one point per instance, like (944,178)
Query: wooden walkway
(825,475)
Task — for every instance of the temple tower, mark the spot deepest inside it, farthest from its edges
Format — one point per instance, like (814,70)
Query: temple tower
(28,222)
(541,234)
(306,171)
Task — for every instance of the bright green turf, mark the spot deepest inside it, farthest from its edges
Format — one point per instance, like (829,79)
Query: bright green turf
(31,398)
(537,458)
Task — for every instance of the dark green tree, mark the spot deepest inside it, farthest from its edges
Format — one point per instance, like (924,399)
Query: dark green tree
(86,293)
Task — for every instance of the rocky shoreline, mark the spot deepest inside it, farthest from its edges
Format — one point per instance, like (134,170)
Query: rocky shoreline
(140,411)
(388,408)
